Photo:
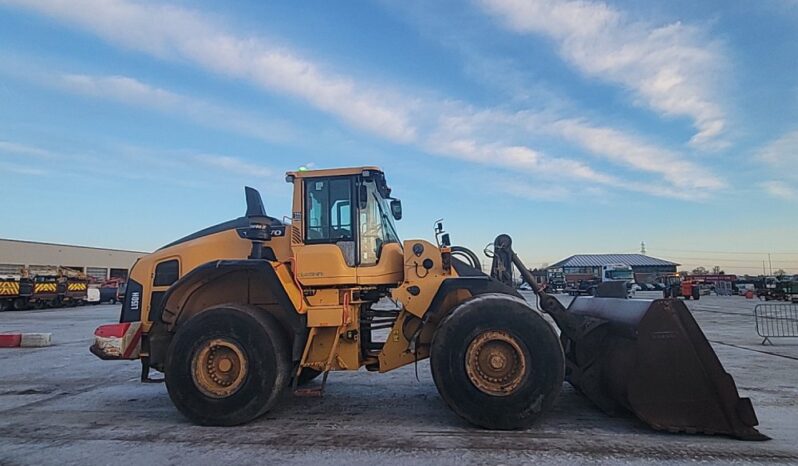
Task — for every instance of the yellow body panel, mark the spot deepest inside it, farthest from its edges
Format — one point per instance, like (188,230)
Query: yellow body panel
(325,316)
(218,246)
(79,286)
(397,351)
(322,265)
(292,290)
(387,270)
(331,172)
(327,348)
(9,288)
(325,297)
(45,287)
(415,275)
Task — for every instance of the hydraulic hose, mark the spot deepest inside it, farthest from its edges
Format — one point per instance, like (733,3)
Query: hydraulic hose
(471,258)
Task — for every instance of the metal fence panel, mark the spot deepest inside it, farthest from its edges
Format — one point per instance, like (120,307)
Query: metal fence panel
(776,321)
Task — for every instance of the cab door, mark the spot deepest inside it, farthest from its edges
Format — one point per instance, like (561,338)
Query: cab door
(329,250)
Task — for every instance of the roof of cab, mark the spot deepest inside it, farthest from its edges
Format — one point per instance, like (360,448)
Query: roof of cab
(331,172)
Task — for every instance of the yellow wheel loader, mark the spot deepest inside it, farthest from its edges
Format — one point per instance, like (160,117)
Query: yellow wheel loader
(235,314)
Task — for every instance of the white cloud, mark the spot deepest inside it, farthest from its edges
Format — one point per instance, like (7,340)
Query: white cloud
(459,129)
(25,150)
(21,169)
(532,192)
(782,153)
(172,32)
(131,91)
(635,153)
(234,165)
(518,158)
(138,163)
(781,156)
(780,189)
(673,69)
(489,137)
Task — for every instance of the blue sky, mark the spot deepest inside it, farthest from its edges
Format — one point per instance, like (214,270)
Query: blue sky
(574,126)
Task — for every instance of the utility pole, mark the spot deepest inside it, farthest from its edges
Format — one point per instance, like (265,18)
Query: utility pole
(770,264)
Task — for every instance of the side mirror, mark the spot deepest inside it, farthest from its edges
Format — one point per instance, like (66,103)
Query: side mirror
(396,209)
(362,197)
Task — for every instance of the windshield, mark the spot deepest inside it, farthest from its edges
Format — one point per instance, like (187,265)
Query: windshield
(376,225)
(620,274)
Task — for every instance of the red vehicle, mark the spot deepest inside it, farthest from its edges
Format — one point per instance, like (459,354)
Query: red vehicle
(676,287)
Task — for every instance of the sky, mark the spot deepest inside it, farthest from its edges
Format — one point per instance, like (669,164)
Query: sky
(574,126)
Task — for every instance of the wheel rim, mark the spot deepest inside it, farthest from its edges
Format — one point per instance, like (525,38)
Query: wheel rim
(495,363)
(219,368)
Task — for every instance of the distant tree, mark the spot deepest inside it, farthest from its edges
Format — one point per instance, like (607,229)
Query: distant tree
(700,271)
(780,273)
(717,271)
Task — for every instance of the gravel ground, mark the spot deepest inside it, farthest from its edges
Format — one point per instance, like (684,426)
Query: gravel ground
(62,405)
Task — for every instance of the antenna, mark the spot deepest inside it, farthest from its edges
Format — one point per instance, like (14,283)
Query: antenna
(643,247)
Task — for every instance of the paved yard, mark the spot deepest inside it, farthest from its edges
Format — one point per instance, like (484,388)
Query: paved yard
(62,405)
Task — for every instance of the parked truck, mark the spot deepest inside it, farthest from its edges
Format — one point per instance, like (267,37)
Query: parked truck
(15,292)
(51,287)
(609,273)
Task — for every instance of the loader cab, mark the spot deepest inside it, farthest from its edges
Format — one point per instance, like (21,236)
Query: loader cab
(343,228)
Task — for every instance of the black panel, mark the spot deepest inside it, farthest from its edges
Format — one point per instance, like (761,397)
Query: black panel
(465,270)
(131,308)
(475,285)
(156,305)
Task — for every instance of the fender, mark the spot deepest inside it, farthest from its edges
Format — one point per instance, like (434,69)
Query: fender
(266,284)
(474,285)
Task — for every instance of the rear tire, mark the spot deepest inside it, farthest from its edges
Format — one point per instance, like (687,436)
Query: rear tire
(497,363)
(227,365)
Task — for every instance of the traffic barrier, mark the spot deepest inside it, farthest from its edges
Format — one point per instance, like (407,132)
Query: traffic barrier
(776,321)
(35,340)
(10,340)
(25,340)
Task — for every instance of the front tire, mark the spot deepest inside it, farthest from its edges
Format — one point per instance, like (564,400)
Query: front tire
(497,363)
(227,365)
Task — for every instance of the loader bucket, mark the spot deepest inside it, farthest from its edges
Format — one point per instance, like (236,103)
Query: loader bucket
(651,358)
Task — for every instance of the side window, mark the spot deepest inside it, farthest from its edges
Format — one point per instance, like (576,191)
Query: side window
(166,273)
(328,210)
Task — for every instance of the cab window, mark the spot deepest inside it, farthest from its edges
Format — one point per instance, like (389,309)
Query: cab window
(166,273)
(376,225)
(328,212)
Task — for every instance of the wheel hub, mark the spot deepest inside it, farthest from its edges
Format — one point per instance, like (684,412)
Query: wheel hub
(495,363)
(219,368)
